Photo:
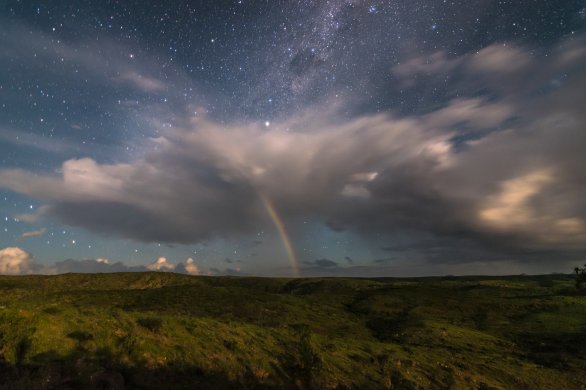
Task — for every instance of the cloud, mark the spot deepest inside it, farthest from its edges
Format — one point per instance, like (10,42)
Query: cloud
(36,141)
(511,208)
(321,263)
(161,264)
(145,83)
(475,112)
(99,265)
(227,272)
(510,205)
(15,261)
(34,233)
(105,59)
(208,179)
(502,169)
(500,58)
(188,267)
(496,58)
(434,64)
(322,267)
(191,267)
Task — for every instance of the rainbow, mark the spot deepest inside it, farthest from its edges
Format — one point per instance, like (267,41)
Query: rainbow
(280,225)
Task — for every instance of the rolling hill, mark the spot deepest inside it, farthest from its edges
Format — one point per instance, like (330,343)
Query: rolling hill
(172,331)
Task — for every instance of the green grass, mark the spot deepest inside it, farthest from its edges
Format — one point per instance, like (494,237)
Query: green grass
(162,330)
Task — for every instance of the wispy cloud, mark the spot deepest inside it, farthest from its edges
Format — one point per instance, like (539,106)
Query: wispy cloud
(33,233)
(145,83)
(104,59)
(36,141)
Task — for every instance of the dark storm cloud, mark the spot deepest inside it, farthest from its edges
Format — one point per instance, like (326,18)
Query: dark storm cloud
(502,169)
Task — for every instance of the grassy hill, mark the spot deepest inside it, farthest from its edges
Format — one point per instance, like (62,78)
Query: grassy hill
(171,331)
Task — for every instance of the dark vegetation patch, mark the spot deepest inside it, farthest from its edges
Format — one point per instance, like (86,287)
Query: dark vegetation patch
(393,327)
(557,351)
(80,336)
(151,323)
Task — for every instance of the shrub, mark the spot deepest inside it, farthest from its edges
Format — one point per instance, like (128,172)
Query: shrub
(580,276)
(21,350)
(151,323)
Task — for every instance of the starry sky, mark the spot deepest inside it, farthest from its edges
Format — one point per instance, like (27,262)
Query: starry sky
(293,138)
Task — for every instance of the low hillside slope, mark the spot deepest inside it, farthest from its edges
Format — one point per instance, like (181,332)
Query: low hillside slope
(170,331)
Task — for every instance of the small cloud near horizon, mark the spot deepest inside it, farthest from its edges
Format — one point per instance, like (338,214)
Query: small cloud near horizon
(17,261)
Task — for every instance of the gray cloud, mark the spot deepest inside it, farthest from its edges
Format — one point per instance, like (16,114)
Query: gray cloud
(227,272)
(90,266)
(321,263)
(211,180)
(433,64)
(505,174)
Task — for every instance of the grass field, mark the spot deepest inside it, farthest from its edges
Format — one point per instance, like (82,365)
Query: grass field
(171,331)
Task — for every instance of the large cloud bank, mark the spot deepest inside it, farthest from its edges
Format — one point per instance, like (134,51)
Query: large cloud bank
(506,172)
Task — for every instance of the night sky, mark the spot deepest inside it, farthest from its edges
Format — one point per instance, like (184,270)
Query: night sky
(341,137)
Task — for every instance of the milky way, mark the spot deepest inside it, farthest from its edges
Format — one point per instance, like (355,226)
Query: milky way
(396,138)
